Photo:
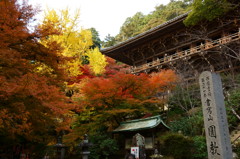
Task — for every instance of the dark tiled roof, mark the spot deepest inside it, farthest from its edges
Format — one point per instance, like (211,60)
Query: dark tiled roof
(144,34)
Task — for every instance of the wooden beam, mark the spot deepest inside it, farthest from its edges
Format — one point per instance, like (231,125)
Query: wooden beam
(195,50)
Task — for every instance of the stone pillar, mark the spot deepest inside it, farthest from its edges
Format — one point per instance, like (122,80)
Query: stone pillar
(215,118)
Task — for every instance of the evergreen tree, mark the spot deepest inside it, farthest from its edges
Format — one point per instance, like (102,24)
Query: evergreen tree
(208,10)
(95,38)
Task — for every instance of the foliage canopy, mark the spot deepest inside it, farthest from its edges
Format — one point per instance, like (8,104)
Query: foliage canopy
(33,107)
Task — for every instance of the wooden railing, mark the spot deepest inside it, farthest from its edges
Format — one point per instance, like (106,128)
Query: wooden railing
(200,48)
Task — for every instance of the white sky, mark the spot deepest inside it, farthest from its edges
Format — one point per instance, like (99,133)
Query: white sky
(106,16)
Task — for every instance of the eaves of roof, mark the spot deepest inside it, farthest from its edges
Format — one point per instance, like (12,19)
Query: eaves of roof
(140,124)
(144,34)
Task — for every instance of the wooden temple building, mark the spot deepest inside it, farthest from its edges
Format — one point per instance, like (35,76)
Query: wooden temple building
(212,46)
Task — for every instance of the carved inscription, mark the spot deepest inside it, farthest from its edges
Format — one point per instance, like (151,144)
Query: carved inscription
(215,121)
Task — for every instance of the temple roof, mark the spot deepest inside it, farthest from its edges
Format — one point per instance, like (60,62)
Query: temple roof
(140,124)
(162,29)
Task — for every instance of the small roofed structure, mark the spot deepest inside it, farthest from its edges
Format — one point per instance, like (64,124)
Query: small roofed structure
(147,127)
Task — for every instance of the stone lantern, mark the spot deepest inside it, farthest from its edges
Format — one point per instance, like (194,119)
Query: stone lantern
(84,146)
(156,155)
(61,148)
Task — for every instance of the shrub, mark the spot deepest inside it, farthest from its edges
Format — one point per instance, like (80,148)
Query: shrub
(236,149)
(233,102)
(178,146)
(103,147)
(189,126)
(200,147)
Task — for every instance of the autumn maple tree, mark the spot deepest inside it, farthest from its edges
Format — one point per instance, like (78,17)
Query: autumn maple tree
(108,100)
(32,106)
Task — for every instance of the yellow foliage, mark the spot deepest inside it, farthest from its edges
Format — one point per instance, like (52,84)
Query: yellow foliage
(74,41)
(43,69)
(97,61)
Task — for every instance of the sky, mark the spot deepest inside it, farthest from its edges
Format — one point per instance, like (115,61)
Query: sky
(106,16)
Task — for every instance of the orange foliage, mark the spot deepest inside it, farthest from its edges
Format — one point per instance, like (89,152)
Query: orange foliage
(122,88)
(113,67)
(31,103)
(109,92)
(164,80)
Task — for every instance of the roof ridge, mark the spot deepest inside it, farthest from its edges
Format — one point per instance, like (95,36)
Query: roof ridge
(137,120)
